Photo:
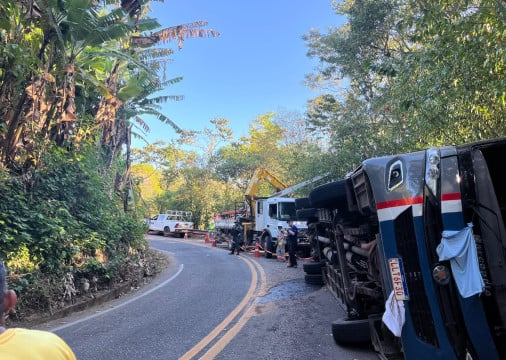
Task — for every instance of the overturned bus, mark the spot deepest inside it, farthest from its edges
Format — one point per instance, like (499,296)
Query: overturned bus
(414,248)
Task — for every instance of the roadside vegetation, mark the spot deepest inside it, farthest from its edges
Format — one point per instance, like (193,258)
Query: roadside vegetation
(78,79)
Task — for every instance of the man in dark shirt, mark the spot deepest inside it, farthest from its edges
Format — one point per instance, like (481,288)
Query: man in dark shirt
(236,238)
(291,243)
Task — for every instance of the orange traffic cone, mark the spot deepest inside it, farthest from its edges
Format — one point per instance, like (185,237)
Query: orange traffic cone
(257,250)
(208,239)
(214,243)
(186,235)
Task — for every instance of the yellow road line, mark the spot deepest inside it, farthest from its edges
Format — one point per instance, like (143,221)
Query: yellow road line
(220,344)
(225,339)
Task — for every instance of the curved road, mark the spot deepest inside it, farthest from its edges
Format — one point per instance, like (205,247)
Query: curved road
(174,316)
(209,304)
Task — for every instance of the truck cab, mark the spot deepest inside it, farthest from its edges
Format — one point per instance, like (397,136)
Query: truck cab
(271,217)
(267,216)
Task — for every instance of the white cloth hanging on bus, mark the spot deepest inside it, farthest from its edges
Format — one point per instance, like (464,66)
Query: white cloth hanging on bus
(460,248)
(394,315)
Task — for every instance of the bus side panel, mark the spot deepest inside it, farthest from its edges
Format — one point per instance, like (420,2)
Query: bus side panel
(472,308)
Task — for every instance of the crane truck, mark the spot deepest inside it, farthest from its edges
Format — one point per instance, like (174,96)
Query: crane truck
(413,246)
(266,217)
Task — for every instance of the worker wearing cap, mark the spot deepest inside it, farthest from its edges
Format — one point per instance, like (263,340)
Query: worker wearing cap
(236,238)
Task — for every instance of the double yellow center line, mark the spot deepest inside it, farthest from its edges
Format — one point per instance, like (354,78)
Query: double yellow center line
(256,288)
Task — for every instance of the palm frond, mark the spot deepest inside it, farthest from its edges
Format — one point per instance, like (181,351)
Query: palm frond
(139,137)
(118,54)
(151,54)
(184,31)
(114,31)
(99,86)
(162,99)
(141,123)
(114,17)
(172,81)
(132,7)
(95,29)
(148,88)
(54,18)
(147,25)
(143,41)
(164,119)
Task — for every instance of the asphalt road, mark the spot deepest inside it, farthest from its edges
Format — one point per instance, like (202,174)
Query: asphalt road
(209,304)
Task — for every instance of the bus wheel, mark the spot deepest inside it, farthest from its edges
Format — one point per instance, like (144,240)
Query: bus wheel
(351,332)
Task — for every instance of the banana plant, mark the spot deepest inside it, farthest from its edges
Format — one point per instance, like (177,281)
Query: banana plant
(41,107)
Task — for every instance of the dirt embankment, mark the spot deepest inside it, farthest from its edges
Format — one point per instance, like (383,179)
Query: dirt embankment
(156,261)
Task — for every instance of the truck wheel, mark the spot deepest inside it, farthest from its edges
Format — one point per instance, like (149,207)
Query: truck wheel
(166,231)
(351,332)
(313,279)
(313,268)
(268,246)
(331,195)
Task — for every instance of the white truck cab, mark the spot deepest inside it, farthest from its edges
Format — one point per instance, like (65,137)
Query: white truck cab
(271,217)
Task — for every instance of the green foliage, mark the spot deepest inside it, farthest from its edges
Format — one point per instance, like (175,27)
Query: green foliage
(14,215)
(20,262)
(36,293)
(131,232)
(203,177)
(416,74)
(52,228)
(93,267)
(72,81)
(22,284)
(68,217)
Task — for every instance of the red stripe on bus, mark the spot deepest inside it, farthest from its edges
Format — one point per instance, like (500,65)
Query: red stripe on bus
(413,201)
(451,196)
(399,202)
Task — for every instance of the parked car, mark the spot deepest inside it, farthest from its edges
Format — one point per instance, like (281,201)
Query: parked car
(172,222)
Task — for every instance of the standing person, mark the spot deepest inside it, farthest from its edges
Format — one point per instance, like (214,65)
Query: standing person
(236,238)
(280,248)
(291,243)
(19,343)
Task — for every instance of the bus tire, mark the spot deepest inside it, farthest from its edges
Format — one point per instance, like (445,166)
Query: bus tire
(330,195)
(351,332)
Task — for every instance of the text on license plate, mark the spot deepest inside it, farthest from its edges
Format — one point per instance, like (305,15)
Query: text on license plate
(398,278)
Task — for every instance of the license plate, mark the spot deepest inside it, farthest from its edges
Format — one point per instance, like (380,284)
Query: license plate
(398,279)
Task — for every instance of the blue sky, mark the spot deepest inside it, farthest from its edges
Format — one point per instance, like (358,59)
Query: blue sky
(257,64)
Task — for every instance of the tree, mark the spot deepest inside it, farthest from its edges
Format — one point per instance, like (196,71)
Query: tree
(301,152)
(260,148)
(417,74)
(187,168)
(147,179)
(451,88)
(56,34)
(74,81)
